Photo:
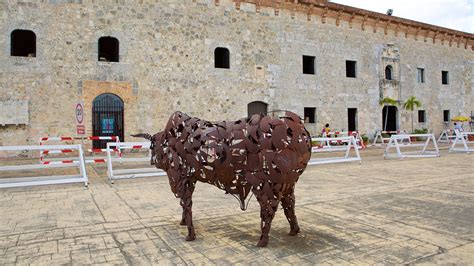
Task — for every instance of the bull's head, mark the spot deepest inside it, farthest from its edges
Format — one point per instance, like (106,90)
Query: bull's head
(154,147)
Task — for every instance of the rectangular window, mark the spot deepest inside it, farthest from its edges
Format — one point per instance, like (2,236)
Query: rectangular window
(445,77)
(352,119)
(445,115)
(420,76)
(221,58)
(310,115)
(351,69)
(308,64)
(421,116)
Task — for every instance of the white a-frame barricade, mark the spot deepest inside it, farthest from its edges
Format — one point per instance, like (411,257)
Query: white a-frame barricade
(130,172)
(335,134)
(45,180)
(397,142)
(383,141)
(462,138)
(447,136)
(325,146)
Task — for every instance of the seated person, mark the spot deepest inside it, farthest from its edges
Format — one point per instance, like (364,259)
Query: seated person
(326,130)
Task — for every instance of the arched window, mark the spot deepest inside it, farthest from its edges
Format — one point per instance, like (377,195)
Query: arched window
(221,58)
(23,43)
(108,49)
(388,72)
(256,108)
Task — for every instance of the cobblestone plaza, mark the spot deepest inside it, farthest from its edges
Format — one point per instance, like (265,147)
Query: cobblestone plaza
(382,211)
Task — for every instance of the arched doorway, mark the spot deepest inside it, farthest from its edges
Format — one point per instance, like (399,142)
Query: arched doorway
(107,118)
(256,108)
(390,117)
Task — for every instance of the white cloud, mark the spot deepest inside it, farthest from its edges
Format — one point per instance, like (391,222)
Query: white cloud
(453,14)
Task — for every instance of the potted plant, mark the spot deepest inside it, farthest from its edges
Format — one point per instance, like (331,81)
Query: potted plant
(365,139)
(420,131)
(385,136)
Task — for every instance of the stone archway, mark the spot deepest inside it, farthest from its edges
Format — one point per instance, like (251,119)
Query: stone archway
(93,89)
(107,118)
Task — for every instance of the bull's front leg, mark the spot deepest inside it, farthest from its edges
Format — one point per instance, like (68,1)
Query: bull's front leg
(187,189)
(268,207)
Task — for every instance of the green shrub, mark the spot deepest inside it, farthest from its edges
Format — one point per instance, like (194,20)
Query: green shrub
(421,131)
(364,137)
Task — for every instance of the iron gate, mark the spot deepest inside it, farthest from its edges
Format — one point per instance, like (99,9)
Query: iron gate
(107,118)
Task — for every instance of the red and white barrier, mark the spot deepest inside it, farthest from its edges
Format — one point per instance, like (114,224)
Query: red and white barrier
(326,145)
(447,136)
(397,142)
(45,180)
(130,172)
(383,140)
(95,159)
(462,138)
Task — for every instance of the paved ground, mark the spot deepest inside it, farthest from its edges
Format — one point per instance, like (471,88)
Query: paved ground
(383,211)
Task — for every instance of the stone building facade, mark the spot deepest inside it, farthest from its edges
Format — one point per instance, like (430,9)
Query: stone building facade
(166,62)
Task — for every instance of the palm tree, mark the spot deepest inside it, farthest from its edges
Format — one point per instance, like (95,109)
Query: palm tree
(410,105)
(387,102)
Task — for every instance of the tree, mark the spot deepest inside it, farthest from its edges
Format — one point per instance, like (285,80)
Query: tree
(385,102)
(410,105)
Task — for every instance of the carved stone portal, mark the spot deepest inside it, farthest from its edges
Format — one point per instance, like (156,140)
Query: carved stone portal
(389,78)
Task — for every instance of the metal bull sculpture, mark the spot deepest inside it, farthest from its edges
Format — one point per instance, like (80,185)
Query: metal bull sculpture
(261,154)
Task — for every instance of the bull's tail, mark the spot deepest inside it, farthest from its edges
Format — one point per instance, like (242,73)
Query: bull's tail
(152,145)
(143,135)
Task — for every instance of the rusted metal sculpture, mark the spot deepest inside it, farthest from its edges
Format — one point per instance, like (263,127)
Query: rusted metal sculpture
(261,154)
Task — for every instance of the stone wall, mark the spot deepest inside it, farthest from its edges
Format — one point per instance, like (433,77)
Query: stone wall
(166,64)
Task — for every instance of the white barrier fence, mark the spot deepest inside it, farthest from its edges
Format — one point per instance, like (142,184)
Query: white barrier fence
(45,180)
(462,138)
(384,140)
(130,172)
(335,134)
(397,142)
(44,153)
(446,137)
(326,146)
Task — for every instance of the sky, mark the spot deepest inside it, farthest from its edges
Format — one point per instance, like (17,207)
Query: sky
(453,14)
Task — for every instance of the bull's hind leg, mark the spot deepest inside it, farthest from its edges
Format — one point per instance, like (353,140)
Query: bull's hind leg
(268,207)
(288,203)
(187,204)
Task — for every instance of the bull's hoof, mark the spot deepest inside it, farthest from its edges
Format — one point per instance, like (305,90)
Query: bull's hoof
(190,238)
(263,242)
(294,232)
(183,222)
